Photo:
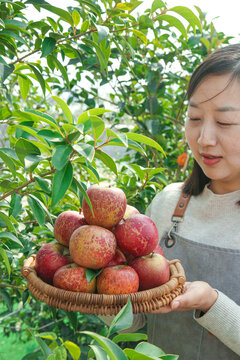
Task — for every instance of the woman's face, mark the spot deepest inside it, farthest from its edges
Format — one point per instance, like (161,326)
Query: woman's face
(213,131)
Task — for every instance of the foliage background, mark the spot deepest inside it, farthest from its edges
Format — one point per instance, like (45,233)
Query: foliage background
(92,94)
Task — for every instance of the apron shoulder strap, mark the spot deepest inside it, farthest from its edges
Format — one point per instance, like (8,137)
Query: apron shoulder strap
(177,217)
(181,207)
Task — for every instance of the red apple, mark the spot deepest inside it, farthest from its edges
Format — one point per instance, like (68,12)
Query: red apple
(152,269)
(65,224)
(119,279)
(72,277)
(50,257)
(92,246)
(159,250)
(118,259)
(130,210)
(137,235)
(109,205)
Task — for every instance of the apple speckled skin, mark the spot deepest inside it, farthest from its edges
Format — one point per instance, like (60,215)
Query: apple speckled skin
(72,277)
(92,246)
(109,206)
(153,270)
(137,235)
(65,224)
(119,279)
(50,257)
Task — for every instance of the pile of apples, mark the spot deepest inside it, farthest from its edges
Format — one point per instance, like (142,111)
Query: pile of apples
(115,241)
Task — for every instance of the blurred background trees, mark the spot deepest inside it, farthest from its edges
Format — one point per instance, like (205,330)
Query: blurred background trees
(92,94)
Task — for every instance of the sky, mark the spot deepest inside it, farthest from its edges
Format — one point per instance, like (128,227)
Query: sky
(225,14)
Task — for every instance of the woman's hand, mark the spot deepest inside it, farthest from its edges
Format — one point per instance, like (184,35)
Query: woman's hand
(196,295)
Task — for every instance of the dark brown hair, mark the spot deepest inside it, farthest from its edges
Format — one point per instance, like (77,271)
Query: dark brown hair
(222,61)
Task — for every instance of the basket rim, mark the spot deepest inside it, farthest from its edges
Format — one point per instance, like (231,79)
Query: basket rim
(98,303)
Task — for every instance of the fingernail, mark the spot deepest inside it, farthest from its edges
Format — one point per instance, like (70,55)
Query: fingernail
(175,304)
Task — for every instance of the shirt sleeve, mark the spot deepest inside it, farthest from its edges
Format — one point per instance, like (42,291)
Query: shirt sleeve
(223,321)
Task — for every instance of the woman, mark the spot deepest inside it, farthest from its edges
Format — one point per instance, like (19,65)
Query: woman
(207,240)
(203,323)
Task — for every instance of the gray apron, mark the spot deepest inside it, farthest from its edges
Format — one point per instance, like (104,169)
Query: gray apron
(177,332)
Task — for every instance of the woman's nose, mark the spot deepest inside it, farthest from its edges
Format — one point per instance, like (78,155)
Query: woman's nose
(207,135)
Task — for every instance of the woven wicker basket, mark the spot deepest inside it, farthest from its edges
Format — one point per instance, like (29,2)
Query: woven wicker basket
(100,304)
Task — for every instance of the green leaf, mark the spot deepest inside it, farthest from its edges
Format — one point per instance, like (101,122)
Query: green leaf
(61,156)
(44,184)
(12,23)
(157,4)
(99,352)
(187,14)
(16,205)
(86,150)
(107,160)
(7,299)
(121,136)
(61,182)
(85,26)
(173,21)
(39,77)
(84,194)
(73,349)
(131,145)
(25,147)
(37,210)
(64,15)
(141,36)
(62,69)
(123,320)
(103,32)
(101,57)
(51,135)
(6,70)
(139,171)
(47,335)
(92,274)
(114,352)
(11,237)
(98,126)
(91,6)
(36,116)
(124,6)
(64,108)
(7,221)
(169,357)
(24,84)
(145,140)
(43,346)
(92,172)
(86,115)
(31,160)
(9,162)
(76,17)
(48,46)
(135,355)
(5,259)
(147,348)
(129,337)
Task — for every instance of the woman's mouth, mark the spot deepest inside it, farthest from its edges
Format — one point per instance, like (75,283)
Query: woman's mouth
(209,159)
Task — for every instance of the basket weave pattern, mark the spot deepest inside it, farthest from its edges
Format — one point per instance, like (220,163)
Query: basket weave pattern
(101,304)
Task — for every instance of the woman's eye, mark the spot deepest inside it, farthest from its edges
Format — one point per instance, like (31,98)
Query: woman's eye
(223,124)
(193,118)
